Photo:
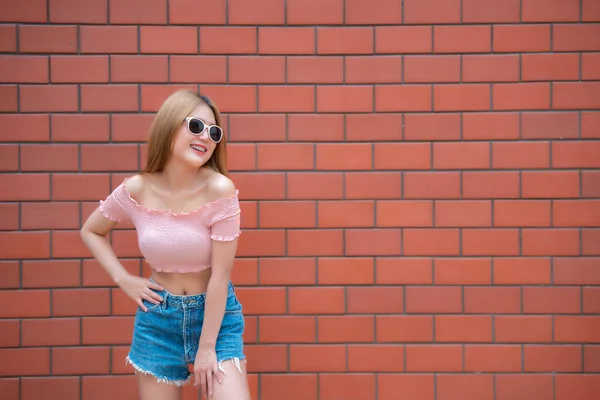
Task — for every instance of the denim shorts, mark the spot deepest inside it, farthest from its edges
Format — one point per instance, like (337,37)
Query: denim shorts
(165,338)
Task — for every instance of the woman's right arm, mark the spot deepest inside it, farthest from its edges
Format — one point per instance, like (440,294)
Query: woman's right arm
(94,234)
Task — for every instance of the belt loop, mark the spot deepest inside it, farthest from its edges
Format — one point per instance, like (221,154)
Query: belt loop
(164,301)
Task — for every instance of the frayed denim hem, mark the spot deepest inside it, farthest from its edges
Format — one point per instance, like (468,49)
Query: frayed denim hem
(236,362)
(176,382)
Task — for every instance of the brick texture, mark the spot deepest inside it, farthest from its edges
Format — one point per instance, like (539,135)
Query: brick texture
(419,179)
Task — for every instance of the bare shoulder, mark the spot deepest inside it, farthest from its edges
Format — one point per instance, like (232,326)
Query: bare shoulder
(220,186)
(135,185)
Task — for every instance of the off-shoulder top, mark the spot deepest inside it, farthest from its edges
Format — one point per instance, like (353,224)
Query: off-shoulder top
(176,242)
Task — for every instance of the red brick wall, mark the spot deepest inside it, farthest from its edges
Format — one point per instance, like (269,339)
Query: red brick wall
(420,183)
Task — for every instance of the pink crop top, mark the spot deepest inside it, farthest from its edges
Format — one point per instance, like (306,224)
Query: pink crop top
(176,242)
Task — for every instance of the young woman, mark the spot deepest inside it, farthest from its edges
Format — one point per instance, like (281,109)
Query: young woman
(187,217)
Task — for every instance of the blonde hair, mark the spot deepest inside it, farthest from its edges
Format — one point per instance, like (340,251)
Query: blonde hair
(169,118)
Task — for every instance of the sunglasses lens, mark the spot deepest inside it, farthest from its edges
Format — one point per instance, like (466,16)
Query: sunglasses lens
(196,126)
(215,133)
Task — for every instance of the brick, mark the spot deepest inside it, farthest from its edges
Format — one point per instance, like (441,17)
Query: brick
(9,101)
(108,39)
(434,358)
(201,69)
(552,358)
(294,41)
(113,157)
(49,157)
(590,64)
(576,213)
(47,39)
(553,184)
(312,69)
(20,303)
(465,328)
(324,242)
(576,95)
(286,99)
(591,358)
(483,358)
(413,386)
(344,99)
(25,187)
(403,98)
(462,39)
(437,299)
(67,128)
(403,39)
(549,125)
(290,386)
(521,96)
(404,328)
(271,185)
(213,12)
(25,362)
(322,185)
(590,184)
(490,126)
(264,69)
(355,156)
(99,387)
(404,213)
(520,155)
(8,38)
(362,242)
(267,12)
(431,127)
(576,37)
(373,69)
(523,329)
(346,329)
(289,329)
(522,271)
(10,158)
(466,97)
(485,185)
(40,387)
(347,40)
(431,12)
(263,300)
(317,358)
(430,69)
(375,358)
(227,40)
(551,300)
(315,12)
(576,387)
(345,271)
(50,216)
(346,214)
(78,12)
(576,271)
(375,300)
(297,214)
(359,386)
(550,67)
(550,242)
(24,69)
(81,360)
(402,156)
(494,241)
(153,95)
(10,388)
(554,11)
(138,68)
(589,242)
(461,155)
(79,69)
(524,386)
(576,329)
(241,157)
(11,333)
(316,300)
(51,274)
(377,12)
(492,300)
(51,98)
(25,11)
(80,187)
(486,11)
(462,271)
(258,127)
(431,185)
(494,68)
(133,12)
(521,38)
(288,271)
(168,39)
(374,127)
(372,185)
(476,386)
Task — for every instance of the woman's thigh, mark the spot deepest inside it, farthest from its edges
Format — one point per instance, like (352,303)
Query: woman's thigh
(235,382)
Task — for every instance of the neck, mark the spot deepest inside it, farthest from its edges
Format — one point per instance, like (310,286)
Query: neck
(179,177)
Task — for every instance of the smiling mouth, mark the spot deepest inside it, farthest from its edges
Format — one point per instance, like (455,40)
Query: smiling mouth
(198,148)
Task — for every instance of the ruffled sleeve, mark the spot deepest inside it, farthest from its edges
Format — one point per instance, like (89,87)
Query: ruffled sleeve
(118,205)
(225,219)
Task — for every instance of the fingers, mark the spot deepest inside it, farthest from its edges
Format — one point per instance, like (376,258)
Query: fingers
(153,285)
(209,381)
(141,304)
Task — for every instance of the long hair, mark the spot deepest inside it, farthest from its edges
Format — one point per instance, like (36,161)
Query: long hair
(168,120)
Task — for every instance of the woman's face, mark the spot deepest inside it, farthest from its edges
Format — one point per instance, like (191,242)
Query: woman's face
(195,150)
